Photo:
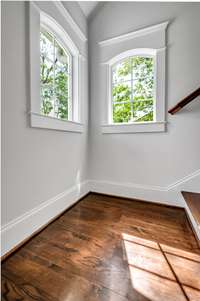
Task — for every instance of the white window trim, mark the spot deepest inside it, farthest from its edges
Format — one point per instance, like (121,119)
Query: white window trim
(159,123)
(70,20)
(47,122)
(134,127)
(39,18)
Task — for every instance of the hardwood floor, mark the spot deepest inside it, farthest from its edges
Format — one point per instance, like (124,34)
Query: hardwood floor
(108,249)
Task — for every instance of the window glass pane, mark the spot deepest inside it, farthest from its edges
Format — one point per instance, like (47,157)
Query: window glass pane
(133,100)
(122,71)
(142,88)
(55,79)
(143,110)
(61,106)
(62,81)
(61,94)
(121,92)
(46,45)
(142,67)
(122,112)
(47,99)
(46,71)
(62,58)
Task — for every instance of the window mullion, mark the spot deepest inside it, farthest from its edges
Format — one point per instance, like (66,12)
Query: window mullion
(131,100)
(70,91)
(112,102)
(54,95)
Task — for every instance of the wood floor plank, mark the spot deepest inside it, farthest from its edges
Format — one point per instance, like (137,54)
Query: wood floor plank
(13,292)
(107,249)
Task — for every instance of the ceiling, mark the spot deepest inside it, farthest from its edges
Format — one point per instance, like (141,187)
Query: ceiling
(88,7)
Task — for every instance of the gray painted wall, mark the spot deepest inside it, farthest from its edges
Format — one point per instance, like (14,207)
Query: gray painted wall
(38,164)
(158,159)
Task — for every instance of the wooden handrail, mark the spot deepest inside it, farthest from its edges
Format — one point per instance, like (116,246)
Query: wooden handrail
(184,102)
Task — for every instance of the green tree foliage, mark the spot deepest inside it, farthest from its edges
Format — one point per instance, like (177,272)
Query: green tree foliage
(54,77)
(133,90)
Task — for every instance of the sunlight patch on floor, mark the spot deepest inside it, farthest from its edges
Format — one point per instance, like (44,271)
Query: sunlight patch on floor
(160,272)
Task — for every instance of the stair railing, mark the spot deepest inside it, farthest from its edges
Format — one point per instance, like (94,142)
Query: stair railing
(184,102)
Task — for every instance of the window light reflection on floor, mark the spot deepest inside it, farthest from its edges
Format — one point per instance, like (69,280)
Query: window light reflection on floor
(160,272)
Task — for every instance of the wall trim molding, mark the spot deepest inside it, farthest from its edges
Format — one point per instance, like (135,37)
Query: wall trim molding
(134,34)
(152,187)
(63,10)
(183,180)
(17,231)
(134,127)
(169,195)
(47,122)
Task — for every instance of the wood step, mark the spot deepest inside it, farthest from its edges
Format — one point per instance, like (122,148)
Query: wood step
(193,201)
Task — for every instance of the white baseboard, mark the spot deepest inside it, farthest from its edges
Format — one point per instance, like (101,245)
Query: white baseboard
(18,230)
(169,195)
(135,191)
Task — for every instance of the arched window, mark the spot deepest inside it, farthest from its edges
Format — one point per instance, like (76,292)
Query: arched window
(133,98)
(55,77)
(56,70)
(133,89)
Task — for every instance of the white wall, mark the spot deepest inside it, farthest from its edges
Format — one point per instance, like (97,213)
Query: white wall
(38,164)
(145,162)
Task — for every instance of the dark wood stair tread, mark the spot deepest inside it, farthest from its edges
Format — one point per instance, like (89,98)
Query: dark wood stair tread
(193,201)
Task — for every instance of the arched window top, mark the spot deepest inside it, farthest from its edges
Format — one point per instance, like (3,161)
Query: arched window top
(135,81)
(52,49)
(50,25)
(55,72)
(143,52)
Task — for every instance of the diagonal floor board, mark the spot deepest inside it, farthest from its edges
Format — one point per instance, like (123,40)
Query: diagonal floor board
(108,249)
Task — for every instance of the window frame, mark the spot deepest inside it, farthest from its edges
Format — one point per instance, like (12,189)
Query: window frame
(158,124)
(39,19)
(56,38)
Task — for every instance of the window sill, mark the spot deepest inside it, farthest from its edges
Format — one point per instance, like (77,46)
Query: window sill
(47,122)
(144,127)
